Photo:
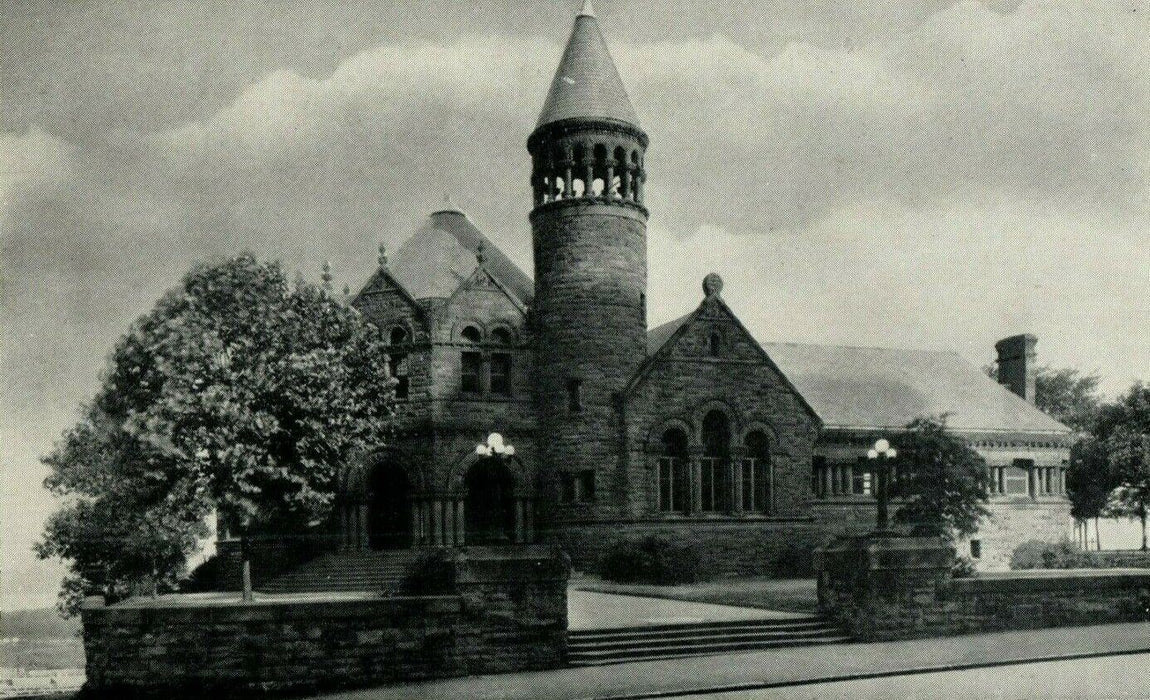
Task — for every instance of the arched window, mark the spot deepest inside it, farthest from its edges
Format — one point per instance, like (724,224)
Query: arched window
(471,334)
(714,483)
(674,491)
(397,362)
(758,475)
(501,336)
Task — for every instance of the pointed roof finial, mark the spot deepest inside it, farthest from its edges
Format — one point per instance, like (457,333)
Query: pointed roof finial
(447,203)
(479,254)
(588,9)
(326,276)
(382,255)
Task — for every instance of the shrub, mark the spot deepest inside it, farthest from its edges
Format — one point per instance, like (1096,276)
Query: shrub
(963,567)
(432,573)
(205,577)
(650,560)
(1036,554)
(794,561)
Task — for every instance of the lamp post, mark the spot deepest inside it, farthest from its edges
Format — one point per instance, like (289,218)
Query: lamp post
(881,454)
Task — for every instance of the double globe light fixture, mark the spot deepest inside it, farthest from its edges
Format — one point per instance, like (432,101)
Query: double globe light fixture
(495,447)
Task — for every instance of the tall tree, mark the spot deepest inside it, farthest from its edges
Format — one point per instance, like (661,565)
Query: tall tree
(239,394)
(1089,481)
(942,481)
(1123,434)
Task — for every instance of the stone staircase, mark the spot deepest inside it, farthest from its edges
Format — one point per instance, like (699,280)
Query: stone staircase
(344,572)
(613,646)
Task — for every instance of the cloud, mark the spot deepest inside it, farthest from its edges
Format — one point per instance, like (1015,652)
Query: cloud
(971,175)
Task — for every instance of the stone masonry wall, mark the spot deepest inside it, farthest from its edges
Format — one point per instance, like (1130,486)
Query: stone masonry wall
(726,547)
(901,588)
(508,613)
(589,326)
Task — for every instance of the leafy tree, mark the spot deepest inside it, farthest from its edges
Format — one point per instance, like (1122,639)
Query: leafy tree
(238,394)
(942,481)
(1064,393)
(1089,480)
(1122,432)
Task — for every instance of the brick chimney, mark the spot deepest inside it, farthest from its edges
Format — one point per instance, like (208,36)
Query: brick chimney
(1017,363)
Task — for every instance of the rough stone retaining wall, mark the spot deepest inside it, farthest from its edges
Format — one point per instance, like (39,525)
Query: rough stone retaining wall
(899,588)
(507,613)
(752,547)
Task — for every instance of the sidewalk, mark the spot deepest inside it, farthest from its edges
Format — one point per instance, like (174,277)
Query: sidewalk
(790,665)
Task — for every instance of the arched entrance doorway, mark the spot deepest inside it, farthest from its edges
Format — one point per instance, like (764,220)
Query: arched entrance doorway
(490,504)
(389,524)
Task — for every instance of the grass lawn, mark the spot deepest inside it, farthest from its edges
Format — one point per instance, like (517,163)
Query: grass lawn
(788,594)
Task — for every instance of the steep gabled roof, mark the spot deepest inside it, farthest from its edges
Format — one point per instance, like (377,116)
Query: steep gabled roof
(887,388)
(441,255)
(661,338)
(587,84)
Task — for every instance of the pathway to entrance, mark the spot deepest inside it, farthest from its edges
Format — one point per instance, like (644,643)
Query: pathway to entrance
(587,610)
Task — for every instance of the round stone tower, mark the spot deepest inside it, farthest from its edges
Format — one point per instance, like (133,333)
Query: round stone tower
(589,230)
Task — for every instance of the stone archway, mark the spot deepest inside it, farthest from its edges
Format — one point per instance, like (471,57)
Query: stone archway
(389,508)
(491,503)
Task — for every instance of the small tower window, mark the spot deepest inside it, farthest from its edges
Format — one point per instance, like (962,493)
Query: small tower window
(574,396)
(715,344)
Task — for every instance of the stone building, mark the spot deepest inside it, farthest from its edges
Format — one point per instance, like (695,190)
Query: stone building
(695,429)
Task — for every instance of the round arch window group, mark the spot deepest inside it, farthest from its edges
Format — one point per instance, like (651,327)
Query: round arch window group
(723,474)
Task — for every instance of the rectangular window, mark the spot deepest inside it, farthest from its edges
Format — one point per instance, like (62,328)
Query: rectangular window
(976,549)
(567,487)
(574,396)
(1018,477)
(585,490)
(501,374)
(758,475)
(818,466)
(863,482)
(472,370)
(397,365)
(577,487)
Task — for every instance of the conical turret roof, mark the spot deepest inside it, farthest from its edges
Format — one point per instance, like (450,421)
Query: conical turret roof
(587,84)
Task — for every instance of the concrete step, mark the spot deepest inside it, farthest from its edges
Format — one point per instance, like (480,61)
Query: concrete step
(608,646)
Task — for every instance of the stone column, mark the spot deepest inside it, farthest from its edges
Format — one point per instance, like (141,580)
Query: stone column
(449,522)
(415,534)
(625,182)
(826,477)
(363,521)
(696,478)
(738,457)
(519,521)
(460,524)
(530,515)
(610,182)
(425,519)
(590,166)
(849,483)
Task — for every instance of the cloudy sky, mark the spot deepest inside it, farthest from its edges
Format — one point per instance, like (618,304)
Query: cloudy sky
(924,174)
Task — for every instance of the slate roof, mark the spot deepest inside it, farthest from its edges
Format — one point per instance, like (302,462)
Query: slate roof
(851,387)
(587,84)
(441,255)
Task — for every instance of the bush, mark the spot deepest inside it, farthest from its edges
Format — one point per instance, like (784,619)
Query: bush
(432,573)
(650,560)
(203,578)
(793,561)
(963,567)
(1036,554)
